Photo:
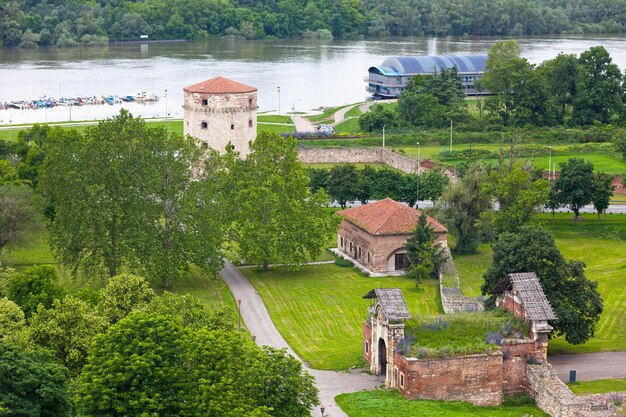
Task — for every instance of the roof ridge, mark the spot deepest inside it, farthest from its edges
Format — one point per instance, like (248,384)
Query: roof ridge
(397,207)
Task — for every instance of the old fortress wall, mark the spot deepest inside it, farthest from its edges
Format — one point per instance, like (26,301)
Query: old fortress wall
(358,156)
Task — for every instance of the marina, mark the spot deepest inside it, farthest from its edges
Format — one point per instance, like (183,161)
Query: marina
(49,102)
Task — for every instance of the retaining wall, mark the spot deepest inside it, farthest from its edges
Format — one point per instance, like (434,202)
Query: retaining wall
(358,156)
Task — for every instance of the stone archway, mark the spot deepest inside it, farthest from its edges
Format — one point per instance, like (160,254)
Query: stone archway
(382,357)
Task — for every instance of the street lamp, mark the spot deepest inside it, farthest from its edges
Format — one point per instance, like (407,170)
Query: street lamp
(278,100)
(239,314)
(322,409)
(384,136)
(550,163)
(167,122)
(417,197)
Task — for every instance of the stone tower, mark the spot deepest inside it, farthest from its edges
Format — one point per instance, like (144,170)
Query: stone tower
(219,111)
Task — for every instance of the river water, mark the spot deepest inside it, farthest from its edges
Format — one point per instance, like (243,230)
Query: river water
(310,73)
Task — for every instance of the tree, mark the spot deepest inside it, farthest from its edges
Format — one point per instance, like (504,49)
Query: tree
(319,178)
(599,88)
(343,183)
(36,285)
(12,323)
(17,212)
(31,384)
(276,217)
(67,329)
(574,186)
(504,72)
(574,298)
(620,144)
(123,294)
(561,75)
(378,117)
(534,102)
(602,192)
(517,194)
(462,205)
(432,184)
(193,313)
(422,255)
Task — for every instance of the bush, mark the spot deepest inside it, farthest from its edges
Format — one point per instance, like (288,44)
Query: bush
(344,263)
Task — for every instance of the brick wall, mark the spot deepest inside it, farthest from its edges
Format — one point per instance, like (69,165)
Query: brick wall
(473,378)
(515,353)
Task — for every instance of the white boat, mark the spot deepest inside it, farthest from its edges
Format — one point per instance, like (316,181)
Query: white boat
(145,96)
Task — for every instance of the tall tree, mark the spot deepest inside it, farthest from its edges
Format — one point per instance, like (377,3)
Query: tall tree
(461,206)
(505,70)
(31,384)
(17,212)
(343,183)
(276,217)
(432,184)
(561,75)
(423,257)
(123,294)
(599,89)
(574,186)
(574,298)
(602,192)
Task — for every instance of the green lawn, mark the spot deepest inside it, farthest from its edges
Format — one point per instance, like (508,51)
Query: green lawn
(354,111)
(274,118)
(326,116)
(348,126)
(393,404)
(319,309)
(602,246)
(600,386)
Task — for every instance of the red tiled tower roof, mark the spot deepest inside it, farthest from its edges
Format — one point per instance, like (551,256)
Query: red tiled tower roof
(219,85)
(388,217)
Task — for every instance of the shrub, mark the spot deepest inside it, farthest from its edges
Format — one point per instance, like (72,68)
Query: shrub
(344,263)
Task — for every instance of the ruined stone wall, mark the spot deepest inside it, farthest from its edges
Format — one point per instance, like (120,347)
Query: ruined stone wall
(515,353)
(473,378)
(550,393)
(367,340)
(358,156)
(224,118)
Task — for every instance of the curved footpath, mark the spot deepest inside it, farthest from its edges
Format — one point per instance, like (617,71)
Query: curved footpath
(259,323)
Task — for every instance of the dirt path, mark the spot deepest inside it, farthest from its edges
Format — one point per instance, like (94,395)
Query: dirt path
(302,124)
(259,323)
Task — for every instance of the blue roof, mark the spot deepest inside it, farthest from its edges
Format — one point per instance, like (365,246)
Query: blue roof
(408,65)
(390,71)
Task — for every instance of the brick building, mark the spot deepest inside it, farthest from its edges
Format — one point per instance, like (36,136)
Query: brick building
(482,379)
(374,234)
(220,111)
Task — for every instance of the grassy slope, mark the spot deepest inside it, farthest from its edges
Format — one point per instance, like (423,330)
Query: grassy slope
(392,404)
(602,246)
(320,309)
(348,126)
(599,386)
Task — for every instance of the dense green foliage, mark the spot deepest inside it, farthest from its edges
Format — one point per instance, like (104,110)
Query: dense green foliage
(31,384)
(422,256)
(575,299)
(69,22)
(38,285)
(463,333)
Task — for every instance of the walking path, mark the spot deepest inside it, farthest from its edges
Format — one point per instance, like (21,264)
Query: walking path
(302,124)
(590,366)
(259,323)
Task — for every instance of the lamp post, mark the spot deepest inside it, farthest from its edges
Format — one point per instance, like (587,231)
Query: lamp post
(239,314)
(417,196)
(322,409)
(167,122)
(279,100)
(384,136)
(550,163)
(450,135)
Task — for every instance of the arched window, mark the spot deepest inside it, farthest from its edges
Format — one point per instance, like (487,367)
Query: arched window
(250,123)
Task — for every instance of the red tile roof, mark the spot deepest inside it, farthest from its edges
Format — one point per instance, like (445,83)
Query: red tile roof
(388,217)
(219,85)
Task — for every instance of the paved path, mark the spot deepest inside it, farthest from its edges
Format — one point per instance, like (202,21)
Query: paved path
(260,324)
(302,124)
(590,366)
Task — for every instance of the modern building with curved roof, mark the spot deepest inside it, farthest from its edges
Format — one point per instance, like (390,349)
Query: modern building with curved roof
(389,79)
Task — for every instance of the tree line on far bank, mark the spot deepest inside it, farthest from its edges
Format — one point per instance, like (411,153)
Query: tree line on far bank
(70,22)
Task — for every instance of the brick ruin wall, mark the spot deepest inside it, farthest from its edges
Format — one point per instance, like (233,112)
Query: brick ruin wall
(358,156)
(367,337)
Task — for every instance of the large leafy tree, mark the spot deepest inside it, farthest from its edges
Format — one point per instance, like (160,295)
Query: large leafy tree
(602,192)
(378,117)
(422,255)
(599,88)
(31,384)
(123,294)
(37,285)
(461,206)
(561,75)
(12,323)
(518,196)
(343,183)
(574,298)
(67,329)
(432,184)
(504,74)
(277,219)
(17,212)
(574,186)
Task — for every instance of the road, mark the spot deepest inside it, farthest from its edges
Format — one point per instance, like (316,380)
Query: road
(590,366)
(259,323)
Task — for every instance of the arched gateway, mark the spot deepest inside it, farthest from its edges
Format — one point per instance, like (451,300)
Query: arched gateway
(384,328)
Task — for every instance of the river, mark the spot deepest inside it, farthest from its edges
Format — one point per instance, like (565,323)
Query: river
(310,73)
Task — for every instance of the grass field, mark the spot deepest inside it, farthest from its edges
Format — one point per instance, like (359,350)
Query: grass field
(348,126)
(320,309)
(602,246)
(354,111)
(326,116)
(393,404)
(599,386)
(274,118)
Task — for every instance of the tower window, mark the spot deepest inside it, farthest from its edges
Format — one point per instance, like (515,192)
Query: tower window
(205,102)
(204,125)
(249,102)
(232,126)
(250,123)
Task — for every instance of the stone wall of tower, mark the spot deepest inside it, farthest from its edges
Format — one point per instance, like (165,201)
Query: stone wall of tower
(214,120)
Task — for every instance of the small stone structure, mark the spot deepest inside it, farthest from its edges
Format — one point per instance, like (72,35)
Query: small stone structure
(482,379)
(360,156)
(219,112)
(374,234)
